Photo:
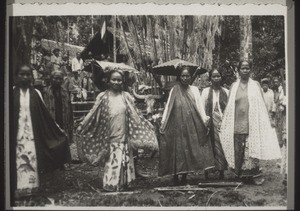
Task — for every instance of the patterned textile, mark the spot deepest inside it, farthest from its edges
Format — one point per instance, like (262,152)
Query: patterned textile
(66,109)
(220,160)
(119,168)
(244,164)
(26,161)
(94,141)
(184,145)
(222,101)
(51,147)
(27,172)
(212,99)
(261,145)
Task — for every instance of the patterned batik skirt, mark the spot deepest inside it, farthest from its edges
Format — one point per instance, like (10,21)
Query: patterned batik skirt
(119,169)
(26,165)
(245,166)
(220,160)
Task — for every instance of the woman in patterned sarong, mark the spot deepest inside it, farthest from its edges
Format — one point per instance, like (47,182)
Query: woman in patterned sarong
(246,129)
(215,100)
(110,132)
(185,146)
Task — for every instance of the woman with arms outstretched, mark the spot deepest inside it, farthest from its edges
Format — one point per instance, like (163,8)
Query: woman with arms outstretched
(110,132)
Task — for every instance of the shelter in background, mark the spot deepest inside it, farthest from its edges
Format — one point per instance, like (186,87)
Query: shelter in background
(50,45)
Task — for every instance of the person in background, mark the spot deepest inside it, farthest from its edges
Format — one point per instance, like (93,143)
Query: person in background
(75,81)
(109,59)
(280,123)
(73,85)
(215,101)
(47,68)
(64,65)
(268,96)
(111,130)
(246,128)
(37,144)
(57,101)
(103,57)
(184,144)
(77,63)
(280,106)
(86,81)
(56,60)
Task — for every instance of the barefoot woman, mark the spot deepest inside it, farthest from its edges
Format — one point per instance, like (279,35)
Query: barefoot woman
(185,146)
(215,100)
(111,130)
(245,129)
(37,144)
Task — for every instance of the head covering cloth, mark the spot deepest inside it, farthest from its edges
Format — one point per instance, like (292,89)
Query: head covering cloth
(57,73)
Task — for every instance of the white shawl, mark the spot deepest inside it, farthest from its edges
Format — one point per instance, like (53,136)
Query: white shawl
(262,144)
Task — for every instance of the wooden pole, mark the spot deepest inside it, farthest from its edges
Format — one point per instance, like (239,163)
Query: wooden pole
(246,38)
(68,31)
(92,26)
(115,39)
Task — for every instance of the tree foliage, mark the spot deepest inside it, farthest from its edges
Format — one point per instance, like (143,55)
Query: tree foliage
(209,41)
(268,46)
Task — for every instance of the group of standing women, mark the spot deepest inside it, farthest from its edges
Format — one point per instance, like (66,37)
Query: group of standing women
(218,129)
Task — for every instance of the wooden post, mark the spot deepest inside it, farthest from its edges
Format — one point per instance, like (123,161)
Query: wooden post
(115,39)
(246,38)
(68,31)
(92,27)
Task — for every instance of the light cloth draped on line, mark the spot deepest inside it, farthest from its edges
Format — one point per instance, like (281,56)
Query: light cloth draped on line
(95,144)
(261,145)
(184,146)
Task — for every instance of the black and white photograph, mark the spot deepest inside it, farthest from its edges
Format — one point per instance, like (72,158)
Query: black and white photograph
(162,111)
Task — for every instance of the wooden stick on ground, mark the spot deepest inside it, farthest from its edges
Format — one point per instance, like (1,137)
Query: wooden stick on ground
(180,188)
(220,184)
(120,193)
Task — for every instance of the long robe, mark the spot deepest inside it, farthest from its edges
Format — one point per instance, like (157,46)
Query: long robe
(185,145)
(51,145)
(213,108)
(65,121)
(259,144)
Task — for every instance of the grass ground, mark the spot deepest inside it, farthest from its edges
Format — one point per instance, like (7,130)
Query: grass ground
(82,186)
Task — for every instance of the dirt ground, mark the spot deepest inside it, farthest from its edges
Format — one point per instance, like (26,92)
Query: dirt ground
(81,185)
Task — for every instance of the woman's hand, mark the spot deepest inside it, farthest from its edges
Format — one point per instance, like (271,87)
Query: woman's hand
(79,128)
(207,122)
